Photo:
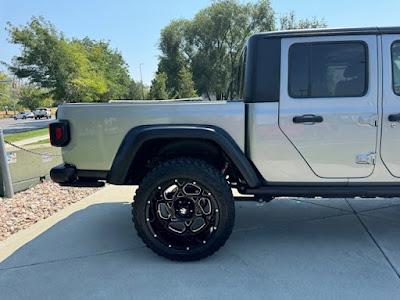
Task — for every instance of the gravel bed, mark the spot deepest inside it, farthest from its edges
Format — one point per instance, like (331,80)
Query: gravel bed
(37,203)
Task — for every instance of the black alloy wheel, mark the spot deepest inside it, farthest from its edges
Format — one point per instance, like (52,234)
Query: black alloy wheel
(184,209)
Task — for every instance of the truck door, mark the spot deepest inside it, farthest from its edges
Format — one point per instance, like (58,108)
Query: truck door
(390,144)
(328,103)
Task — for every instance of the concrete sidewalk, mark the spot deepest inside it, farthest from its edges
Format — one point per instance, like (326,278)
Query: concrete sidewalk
(289,248)
(28,141)
(32,140)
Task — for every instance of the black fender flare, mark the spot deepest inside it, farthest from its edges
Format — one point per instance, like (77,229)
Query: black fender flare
(137,136)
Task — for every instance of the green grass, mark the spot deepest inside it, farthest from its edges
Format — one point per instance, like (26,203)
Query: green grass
(47,141)
(16,137)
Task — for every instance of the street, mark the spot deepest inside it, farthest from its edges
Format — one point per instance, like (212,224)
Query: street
(14,126)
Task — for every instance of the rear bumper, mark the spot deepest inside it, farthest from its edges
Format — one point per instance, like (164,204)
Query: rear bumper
(67,175)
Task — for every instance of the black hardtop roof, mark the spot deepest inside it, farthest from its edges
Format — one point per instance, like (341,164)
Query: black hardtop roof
(329,32)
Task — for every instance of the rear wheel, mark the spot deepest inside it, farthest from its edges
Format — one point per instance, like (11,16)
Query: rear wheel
(184,209)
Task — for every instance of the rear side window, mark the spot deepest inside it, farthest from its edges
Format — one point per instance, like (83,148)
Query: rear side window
(321,70)
(396,67)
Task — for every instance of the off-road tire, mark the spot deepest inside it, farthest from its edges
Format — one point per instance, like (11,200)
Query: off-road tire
(198,171)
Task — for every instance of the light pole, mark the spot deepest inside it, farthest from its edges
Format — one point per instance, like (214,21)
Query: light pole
(141,79)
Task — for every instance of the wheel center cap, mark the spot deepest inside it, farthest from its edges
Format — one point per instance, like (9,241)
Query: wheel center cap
(183,211)
(184,208)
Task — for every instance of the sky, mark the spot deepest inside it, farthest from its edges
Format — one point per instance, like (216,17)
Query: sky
(133,27)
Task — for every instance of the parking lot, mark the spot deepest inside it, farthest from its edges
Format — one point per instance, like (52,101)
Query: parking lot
(286,249)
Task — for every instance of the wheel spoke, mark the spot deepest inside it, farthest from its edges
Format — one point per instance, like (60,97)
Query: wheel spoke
(177,227)
(197,225)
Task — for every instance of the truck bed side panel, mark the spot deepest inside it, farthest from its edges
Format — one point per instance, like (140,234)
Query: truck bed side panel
(97,130)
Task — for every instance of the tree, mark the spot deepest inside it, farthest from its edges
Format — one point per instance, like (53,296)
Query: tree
(5,92)
(32,97)
(172,59)
(211,43)
(135,90)
(158,89)
(72,70)
(185,84)
(84,82)
(289,22)
(111,65)
(4,87)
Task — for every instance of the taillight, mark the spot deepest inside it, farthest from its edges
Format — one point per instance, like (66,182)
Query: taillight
(59,133)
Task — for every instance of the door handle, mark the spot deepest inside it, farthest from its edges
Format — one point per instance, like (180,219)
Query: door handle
(394,118)
(308,119)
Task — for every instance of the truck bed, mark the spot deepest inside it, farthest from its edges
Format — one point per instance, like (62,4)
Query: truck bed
(97,130)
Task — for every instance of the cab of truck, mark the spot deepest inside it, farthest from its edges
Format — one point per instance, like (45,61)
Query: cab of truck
(332,96)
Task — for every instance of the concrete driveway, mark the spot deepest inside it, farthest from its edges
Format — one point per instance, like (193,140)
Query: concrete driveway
(286,249)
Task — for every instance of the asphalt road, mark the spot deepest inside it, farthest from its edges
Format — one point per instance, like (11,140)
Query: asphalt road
(14,126)
(290,248)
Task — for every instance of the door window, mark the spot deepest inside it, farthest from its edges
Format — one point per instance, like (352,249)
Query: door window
(396,66)
(320,70)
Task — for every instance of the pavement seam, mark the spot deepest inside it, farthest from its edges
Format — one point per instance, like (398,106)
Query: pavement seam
(372,209)
(375,241)
(297,222)
(70,258)
(379,218)
(323,205)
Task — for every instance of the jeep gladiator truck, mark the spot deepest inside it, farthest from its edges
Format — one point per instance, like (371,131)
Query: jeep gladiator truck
(317,115)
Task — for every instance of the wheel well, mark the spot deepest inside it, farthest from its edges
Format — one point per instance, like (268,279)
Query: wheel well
(156,151)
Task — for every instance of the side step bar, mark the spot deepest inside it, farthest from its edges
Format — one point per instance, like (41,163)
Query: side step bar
(84,184)
(326,191)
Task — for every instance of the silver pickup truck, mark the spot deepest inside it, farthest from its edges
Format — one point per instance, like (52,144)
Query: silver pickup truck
(317,115)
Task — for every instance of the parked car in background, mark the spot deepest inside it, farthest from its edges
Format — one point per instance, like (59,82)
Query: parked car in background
(24,115)
(42,112)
